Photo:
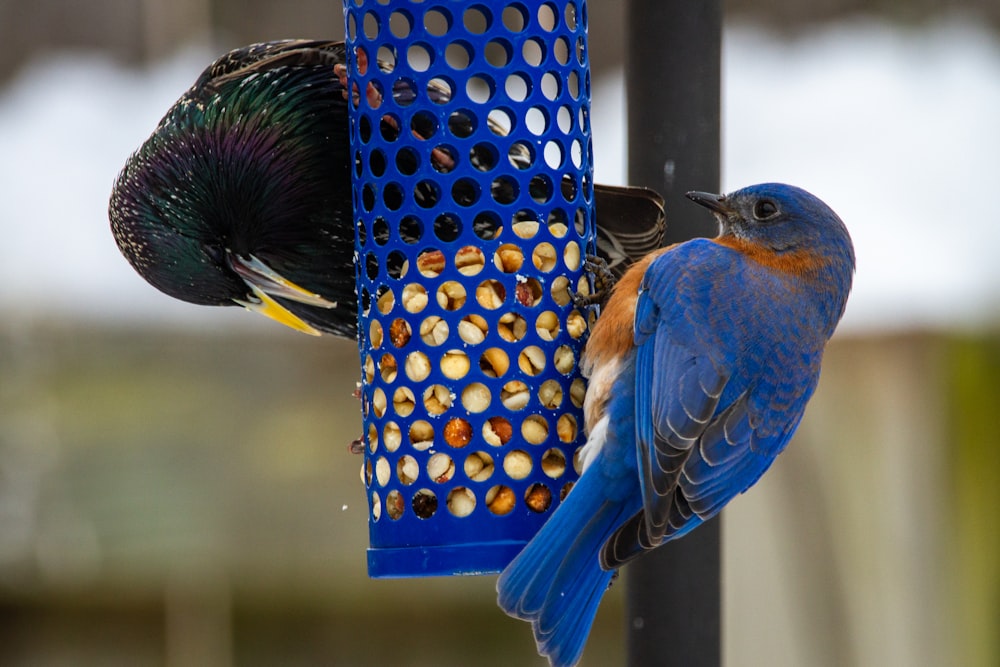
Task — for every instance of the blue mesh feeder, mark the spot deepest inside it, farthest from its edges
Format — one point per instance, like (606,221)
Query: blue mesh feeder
(473,199)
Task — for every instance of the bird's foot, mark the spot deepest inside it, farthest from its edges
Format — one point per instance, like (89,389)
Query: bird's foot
(356,446)
(604,281)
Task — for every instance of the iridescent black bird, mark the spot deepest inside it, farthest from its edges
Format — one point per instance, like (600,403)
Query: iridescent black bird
(242,194)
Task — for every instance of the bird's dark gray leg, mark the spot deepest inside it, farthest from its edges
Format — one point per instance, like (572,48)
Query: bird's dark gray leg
(604,281)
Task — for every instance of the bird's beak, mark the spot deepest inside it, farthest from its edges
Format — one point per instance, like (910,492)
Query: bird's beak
(715,203)
(266,283)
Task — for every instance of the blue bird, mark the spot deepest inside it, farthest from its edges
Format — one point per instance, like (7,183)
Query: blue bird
(700,369)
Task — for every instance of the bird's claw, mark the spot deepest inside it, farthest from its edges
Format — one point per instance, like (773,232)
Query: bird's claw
(604,281)
(356,446)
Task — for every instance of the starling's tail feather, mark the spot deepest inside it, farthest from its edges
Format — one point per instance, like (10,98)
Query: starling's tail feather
(557,582)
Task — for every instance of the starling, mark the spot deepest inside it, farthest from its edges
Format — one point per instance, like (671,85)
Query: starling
(242,194)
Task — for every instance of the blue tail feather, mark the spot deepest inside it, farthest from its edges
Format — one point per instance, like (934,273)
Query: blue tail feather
(557,581)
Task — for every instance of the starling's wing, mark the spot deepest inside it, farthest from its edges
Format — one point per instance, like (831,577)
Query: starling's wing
(630,224)
(268,55)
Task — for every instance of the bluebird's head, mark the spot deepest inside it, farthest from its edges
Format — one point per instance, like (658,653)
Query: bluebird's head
(791,228)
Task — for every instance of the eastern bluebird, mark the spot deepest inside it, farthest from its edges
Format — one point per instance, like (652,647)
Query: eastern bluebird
(700,369)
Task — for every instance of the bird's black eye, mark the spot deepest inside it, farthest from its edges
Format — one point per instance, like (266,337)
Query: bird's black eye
(765,209)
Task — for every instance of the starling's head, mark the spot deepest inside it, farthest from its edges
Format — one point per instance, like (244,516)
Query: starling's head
(235,198)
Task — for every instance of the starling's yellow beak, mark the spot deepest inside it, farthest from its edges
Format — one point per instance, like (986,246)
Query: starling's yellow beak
(267,283)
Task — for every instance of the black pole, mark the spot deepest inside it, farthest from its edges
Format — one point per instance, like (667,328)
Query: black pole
(673,64)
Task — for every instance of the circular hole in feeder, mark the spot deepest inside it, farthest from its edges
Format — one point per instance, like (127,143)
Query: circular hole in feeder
(427,193)
(497,431)
(425,503)
(584,120)
(457,432)
(400,23)
(566,428)
(535,429)
(477,19)
(376,506)
(564,491)
(550,394)
(461,123)
(451,295)
(494,362)
(515,395)
(564,119)
(531,360)
(536,119)
(581,51)
(517,86)
(447,227)
(528,292)
(410,229)
(465,192)
(540,188)
(455,364)
(418,366)
(554,463)
(421,435)
(403,401)
(478,466)
(521,155)
(366,301)
(556,222)
(573,85)
(437,399)
(365,132)
(368,196)
(483,156)
(377,163)
(394,505)
(414,298)
(380,230)
(392,436)
(533,52)
(551,87)
(407,469)
(385,300)
(375,334)
(576,153)
(458,55)
(392,196)
(515,17)
(508,258)
(578,461)
(500,500)
(548,18)
(382,471)
(544,257)
(386,56)
(399,332)
(498,53)
(479,89)
(576,325)
(500,121)
(387,367)
(372,438)
(577,392)
(396,264)
(440,468)
(538,498)
(461,502)
(419,57)
(476,397)
(490,294)
(407,161)
(524,224)
(472,330)
(434,330)
(504,190)
(512,327)
(388,127)
(369,369)
(430,263)
(553,153)
(547,326)
(564,359)
(440,90)
(444,159)
(378,402)
(469,260)
(580,221)
(486,225)
(423,125)
(370,25)
(517,464)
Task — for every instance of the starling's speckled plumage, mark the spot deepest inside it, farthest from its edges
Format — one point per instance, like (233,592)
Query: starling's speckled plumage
(242,194)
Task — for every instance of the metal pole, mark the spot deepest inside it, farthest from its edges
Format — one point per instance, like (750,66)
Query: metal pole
(673,63)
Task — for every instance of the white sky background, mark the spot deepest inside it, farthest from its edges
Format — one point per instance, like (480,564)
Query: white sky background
(899,131)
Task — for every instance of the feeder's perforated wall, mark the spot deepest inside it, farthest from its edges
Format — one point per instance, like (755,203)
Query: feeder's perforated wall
(472,192)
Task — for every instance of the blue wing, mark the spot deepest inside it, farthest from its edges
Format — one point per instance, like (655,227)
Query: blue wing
(707,420)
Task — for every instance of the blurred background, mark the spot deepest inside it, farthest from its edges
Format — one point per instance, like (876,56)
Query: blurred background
(175,485)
